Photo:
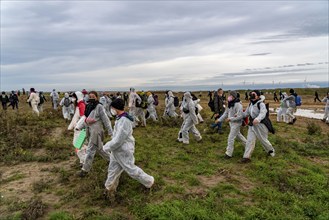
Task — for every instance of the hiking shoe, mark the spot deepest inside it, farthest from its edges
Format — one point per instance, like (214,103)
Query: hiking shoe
(271,153)
(82,173)
(227,157)
(294,120)
(199,140)
(245,160)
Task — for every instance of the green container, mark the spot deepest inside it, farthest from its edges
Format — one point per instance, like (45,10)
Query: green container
(81,139)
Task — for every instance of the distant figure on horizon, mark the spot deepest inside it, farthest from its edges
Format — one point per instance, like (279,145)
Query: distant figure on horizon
(275,97)
(42,101)
(316,97)
(246,96)
(4,100)
(291,101)
(54,98)
(13,98)
(34,100)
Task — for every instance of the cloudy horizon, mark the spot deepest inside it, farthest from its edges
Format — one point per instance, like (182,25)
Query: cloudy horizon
(198,45)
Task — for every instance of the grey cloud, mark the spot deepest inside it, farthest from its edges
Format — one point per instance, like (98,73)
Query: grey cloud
(259,54)
(51,39)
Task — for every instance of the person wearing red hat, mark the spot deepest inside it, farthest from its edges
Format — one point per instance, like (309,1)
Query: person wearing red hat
(85,96)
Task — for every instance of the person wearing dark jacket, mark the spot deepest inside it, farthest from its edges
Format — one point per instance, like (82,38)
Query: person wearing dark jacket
(13,98)
(316,98)
(219,104)
(4,100)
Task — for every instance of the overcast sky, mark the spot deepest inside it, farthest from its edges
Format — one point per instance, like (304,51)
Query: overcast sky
(109,45)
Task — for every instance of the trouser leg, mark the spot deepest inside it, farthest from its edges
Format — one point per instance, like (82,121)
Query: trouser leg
(251,141)
(261,132)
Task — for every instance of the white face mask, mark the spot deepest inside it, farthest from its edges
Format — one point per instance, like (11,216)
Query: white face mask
(74,99)
(113,112)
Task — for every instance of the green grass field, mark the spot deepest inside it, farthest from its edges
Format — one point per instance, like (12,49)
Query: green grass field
(38,170)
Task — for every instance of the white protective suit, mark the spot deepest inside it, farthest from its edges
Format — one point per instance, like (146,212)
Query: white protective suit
(34,98)
(140,115)
(133,99)
(326,109)
(235,114)
(95,133)
(190,120)
(283,109)
(170,107)
(82,153)
(151,108)
(122,148)
(258,131)
(104,100)
(66,109)
(54,96)
(290,100)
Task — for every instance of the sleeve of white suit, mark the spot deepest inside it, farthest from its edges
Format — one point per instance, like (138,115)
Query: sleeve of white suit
(106,121)
(224,116)
(246,113)
(121,134)
(62,102)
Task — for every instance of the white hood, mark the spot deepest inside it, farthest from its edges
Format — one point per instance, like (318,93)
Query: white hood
(79,96)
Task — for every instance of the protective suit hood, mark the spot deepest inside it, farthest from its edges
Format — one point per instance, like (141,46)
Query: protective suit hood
(170,94)
(66,95)
(187,96)
(79,96)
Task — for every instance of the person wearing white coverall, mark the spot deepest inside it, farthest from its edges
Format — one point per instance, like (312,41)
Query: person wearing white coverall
(54,97)
(151,107)
(190,120)
(256,129)
(326,109)
(133,99)
(122,148)
(95,118)
(281,115)
(104,100)
(66,109)
(34,98)
(291,119)
(170,107)
(139,112)
(234,115)
(77,99)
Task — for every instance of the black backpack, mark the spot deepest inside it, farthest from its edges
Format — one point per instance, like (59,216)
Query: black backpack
(156,100)
(267,121)
(143,103)
(211,105)
(42,100)
(176,101)
(67,102)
